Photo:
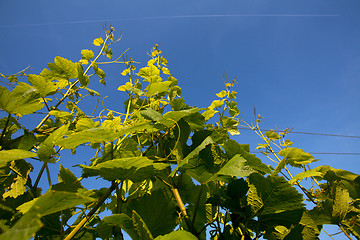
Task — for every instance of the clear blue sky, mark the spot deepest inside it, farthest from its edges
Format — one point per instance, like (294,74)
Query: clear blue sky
(297,62)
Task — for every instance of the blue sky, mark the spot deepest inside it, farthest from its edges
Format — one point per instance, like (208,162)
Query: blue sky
(297,62)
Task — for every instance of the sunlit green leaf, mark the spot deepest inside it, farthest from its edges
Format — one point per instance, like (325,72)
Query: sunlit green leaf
(54,201)
(98,41)
(158,87)
(14,154)
(87,54)
(296,157)
(43,86)
(83,79)
(135,169)
(23,100)
(216,104)
(170,118)
(341,205)
(46,148)
(148,72)
(209,114)
(177,235)
(61,69)
(221,94)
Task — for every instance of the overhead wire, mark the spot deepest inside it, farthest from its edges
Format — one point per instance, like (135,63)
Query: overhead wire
(312,133)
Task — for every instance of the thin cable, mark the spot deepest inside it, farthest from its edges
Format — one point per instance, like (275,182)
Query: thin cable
(324,153)
(308,133)
(168,17)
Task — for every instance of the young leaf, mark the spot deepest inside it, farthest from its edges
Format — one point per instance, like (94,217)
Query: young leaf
(221,94)
(87,54)
(296,157)
(83,79)
(98,41)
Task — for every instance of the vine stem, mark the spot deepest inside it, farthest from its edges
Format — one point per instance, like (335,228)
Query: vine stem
(4,130)
(92,211)
(181,206)
(343,230)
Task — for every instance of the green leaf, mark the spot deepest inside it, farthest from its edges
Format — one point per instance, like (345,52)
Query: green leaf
(186,162)
(122,220)
(98,41)
(54,201)
(177,235)
(134,168)
(170,118)
(151,114)
(222,94)
(327,173)
(341,205)
(87,54)
(140,225)
(92,135)
(216,104)
(126,72)
(272,195)
(209,114)
(83,79)
(14,154)
(61,114)
(157,87)
(149,72)
(23,100)
(98,135)
(232,148)
(296,157)
(24,229)
(17,188)
(235,167)
(43,86)
(61,69)
(272,135)
(233,94)
(46,148)
(161,217)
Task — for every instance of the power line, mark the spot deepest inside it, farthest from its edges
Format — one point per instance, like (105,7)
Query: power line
(322,153)
(308,133)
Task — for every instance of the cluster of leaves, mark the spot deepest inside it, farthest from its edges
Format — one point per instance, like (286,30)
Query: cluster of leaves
(169,165)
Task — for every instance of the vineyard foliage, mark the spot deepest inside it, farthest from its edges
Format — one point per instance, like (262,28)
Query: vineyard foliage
(174,171)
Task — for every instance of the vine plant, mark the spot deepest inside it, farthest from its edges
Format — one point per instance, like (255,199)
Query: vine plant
(174,171)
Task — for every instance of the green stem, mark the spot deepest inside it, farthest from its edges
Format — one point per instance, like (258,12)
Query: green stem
(92,211)
(39,176)
(48,175)
(4,130)
(343,230)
